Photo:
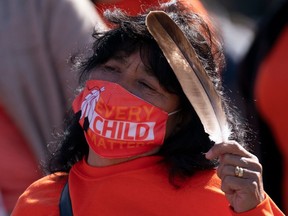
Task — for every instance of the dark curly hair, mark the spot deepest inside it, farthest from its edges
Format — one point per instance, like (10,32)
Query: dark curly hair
(183,152)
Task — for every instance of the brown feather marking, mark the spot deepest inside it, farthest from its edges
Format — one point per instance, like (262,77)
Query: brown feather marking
(193,78)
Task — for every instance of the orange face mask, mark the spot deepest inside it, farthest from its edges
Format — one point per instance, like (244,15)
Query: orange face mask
(116,123)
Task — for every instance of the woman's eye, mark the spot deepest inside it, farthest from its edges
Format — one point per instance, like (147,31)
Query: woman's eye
(108,68)
(147,86)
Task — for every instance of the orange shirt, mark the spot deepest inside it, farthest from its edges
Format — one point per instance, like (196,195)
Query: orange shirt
(138,187)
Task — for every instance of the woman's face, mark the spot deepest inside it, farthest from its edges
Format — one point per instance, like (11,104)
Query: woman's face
(134,76)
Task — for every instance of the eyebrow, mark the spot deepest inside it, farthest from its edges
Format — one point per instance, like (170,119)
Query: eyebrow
(121,57)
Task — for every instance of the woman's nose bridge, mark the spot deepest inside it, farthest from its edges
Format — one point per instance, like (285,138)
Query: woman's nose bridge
(126,81)
(130,75)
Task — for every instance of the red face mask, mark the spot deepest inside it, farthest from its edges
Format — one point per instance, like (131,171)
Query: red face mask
(116,123)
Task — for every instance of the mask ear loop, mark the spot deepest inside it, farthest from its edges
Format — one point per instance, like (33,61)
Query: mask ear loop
(178,126)
(174,112)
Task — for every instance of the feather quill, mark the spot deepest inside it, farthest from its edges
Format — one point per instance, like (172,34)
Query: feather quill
(192,76)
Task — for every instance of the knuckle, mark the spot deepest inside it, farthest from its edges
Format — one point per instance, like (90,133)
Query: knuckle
(254,186)
(260,168)
(244,161)
(256,176)
(236,147)
(255,158)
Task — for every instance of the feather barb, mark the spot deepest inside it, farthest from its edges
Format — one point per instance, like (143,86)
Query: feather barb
(192,76)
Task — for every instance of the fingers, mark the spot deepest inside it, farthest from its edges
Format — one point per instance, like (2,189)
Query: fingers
(231,155)
(230,147)
(241,175)
(232,185)
(229,170)
(230,161)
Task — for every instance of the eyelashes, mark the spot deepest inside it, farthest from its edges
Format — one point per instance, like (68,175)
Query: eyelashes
(146,85)
(108,68)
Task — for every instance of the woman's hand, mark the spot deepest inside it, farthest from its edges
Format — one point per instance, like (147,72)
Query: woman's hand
(241,175)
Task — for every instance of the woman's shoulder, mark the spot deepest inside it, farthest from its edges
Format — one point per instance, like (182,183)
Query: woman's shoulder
(41,196)
(50,184)
(205,178)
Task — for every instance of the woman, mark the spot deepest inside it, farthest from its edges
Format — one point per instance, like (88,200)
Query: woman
(135,145)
